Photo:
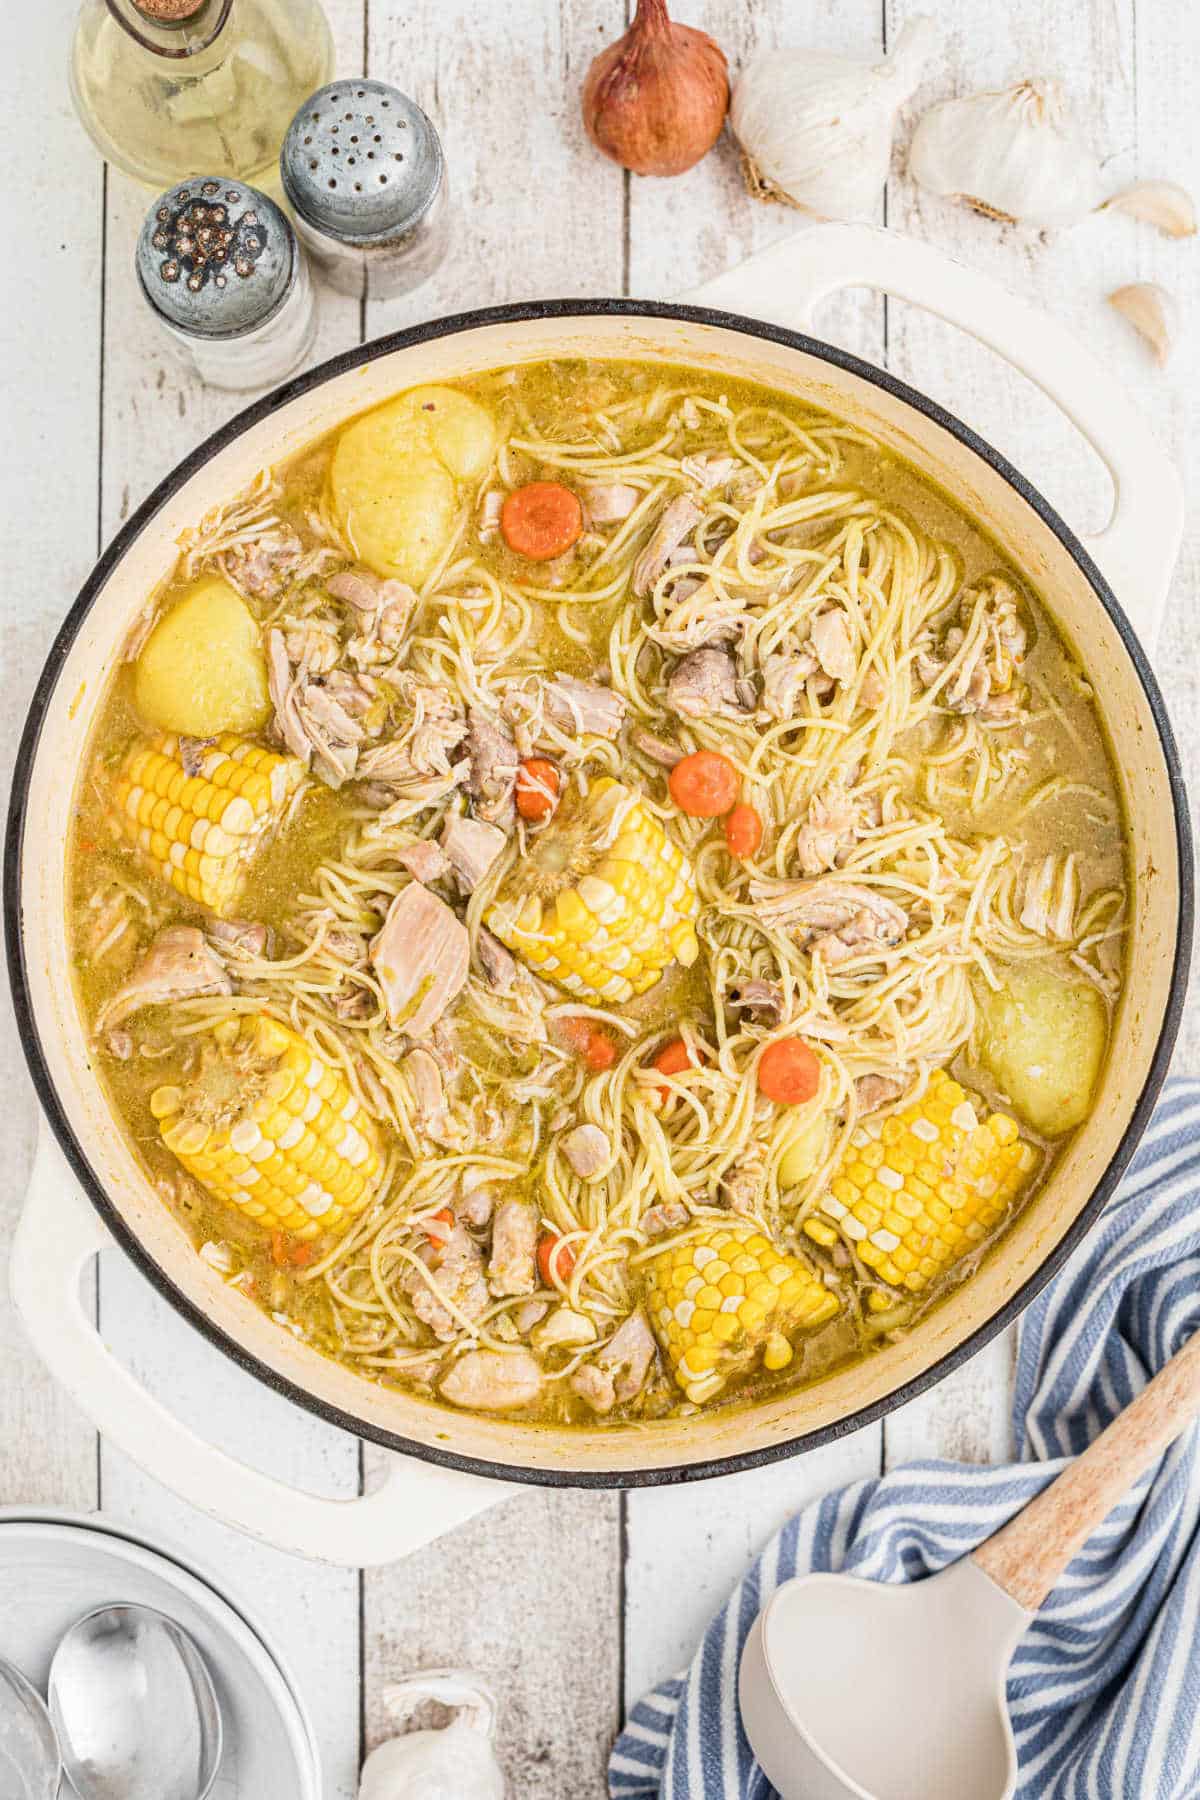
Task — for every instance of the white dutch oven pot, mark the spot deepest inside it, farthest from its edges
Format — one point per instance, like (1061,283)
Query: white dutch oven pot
(452,1464)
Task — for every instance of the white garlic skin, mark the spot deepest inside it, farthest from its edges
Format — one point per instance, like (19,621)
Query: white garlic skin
(1014,155)
(816,128)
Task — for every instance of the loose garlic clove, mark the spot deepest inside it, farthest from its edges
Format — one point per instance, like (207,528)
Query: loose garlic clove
(1163,204)
(1152,312)
(1014,155)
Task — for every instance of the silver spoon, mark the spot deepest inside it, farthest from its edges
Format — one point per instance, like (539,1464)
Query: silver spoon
(30,1765)
(134,1707)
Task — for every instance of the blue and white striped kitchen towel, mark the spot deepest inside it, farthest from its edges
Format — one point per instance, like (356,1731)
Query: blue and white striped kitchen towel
(1104,1690)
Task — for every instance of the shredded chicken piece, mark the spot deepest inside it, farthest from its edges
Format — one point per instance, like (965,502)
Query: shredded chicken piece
(179,965)
(487,526)
(829,636)
(424,1075)
(245,937)
(587,1150)
(668,1215)
(385,611)
(872,689)
(492,1380)
(705,685)
(471,847)
(584,707)
(338,939)
(309,717)
(764,999)
(512,1269)
(424,860)
(841,918)
(421,957)
(492,774)
(478,1199)
(784,677)
(263,566)
(709,471)
(618,1371)
(191,754)
(742,1186)
(677,523)
(974,667)
(109,933)
(608,502)
(657,749)
(873,1091)
(456,1265)
(498,964)
(836,822)
(1050,897)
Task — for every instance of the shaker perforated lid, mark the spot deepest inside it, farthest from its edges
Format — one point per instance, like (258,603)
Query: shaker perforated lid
(216,258)
(361,162)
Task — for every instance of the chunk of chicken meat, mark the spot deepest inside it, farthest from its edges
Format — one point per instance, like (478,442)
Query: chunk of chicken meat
(512,1269)
(836,822)
(471,847)
(709,472)
(245,937)
(179,965)
(310,718)
(617,1373)
(384,609)
(668,1215)
(498,964)
(487,526)
(973,669)
(492,1381)
(830,642)
(432,1117)
(783,680)
(1049,898)
(705,684)
(492,770)
(587,1149)
(656,749)
(608,502)
(677,523)
(263,567)
(455,1264)
(762,999)
(841,919)
(420,957)
(424,860)
(585,708)
(873,1091)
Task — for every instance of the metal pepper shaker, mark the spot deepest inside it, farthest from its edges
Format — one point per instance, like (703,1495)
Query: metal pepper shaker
(220,267)
(363,171)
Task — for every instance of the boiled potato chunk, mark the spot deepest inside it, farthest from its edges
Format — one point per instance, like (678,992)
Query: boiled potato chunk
(202,669)
(805,1151)
(395,476)
(1043,1040)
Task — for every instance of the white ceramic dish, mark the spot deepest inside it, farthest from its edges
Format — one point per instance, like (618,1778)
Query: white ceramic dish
(56,1566)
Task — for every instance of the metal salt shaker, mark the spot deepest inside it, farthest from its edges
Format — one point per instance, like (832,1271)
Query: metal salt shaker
(220,268)
(363,171)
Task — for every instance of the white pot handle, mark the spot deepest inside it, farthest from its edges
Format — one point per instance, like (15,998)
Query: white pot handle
(58,1233)
(783,285)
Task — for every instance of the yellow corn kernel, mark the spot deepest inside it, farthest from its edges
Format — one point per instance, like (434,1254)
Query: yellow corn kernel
(944,1180)
(603,902)
(200,832)
(713,1314)
(270,1128)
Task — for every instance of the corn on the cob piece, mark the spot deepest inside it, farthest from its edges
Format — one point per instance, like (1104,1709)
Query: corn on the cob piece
(916,1191)
(604,902)
(272,1129)
(720,1296)
(199,832)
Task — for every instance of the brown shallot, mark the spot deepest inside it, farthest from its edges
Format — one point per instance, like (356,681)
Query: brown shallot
(655,100)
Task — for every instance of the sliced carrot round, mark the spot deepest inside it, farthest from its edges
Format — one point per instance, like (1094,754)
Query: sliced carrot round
(593,1046)
(704,785)
(673,1059)
(555,1260)
(537,789)
(788,1072)
(541,520)
(600,1052)
(743,830)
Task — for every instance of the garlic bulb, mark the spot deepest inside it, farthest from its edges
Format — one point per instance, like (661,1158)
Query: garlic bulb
(1152,312)
(1014,155)
(816,129)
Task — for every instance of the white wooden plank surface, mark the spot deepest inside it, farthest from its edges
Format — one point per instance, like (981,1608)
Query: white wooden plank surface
(533,1594)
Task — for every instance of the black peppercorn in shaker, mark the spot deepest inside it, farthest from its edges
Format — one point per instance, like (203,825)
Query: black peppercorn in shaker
(363,171)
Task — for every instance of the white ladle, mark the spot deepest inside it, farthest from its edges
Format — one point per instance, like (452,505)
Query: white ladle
(860,1690)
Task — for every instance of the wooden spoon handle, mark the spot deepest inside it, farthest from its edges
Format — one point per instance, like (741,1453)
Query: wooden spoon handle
(1027,1556)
